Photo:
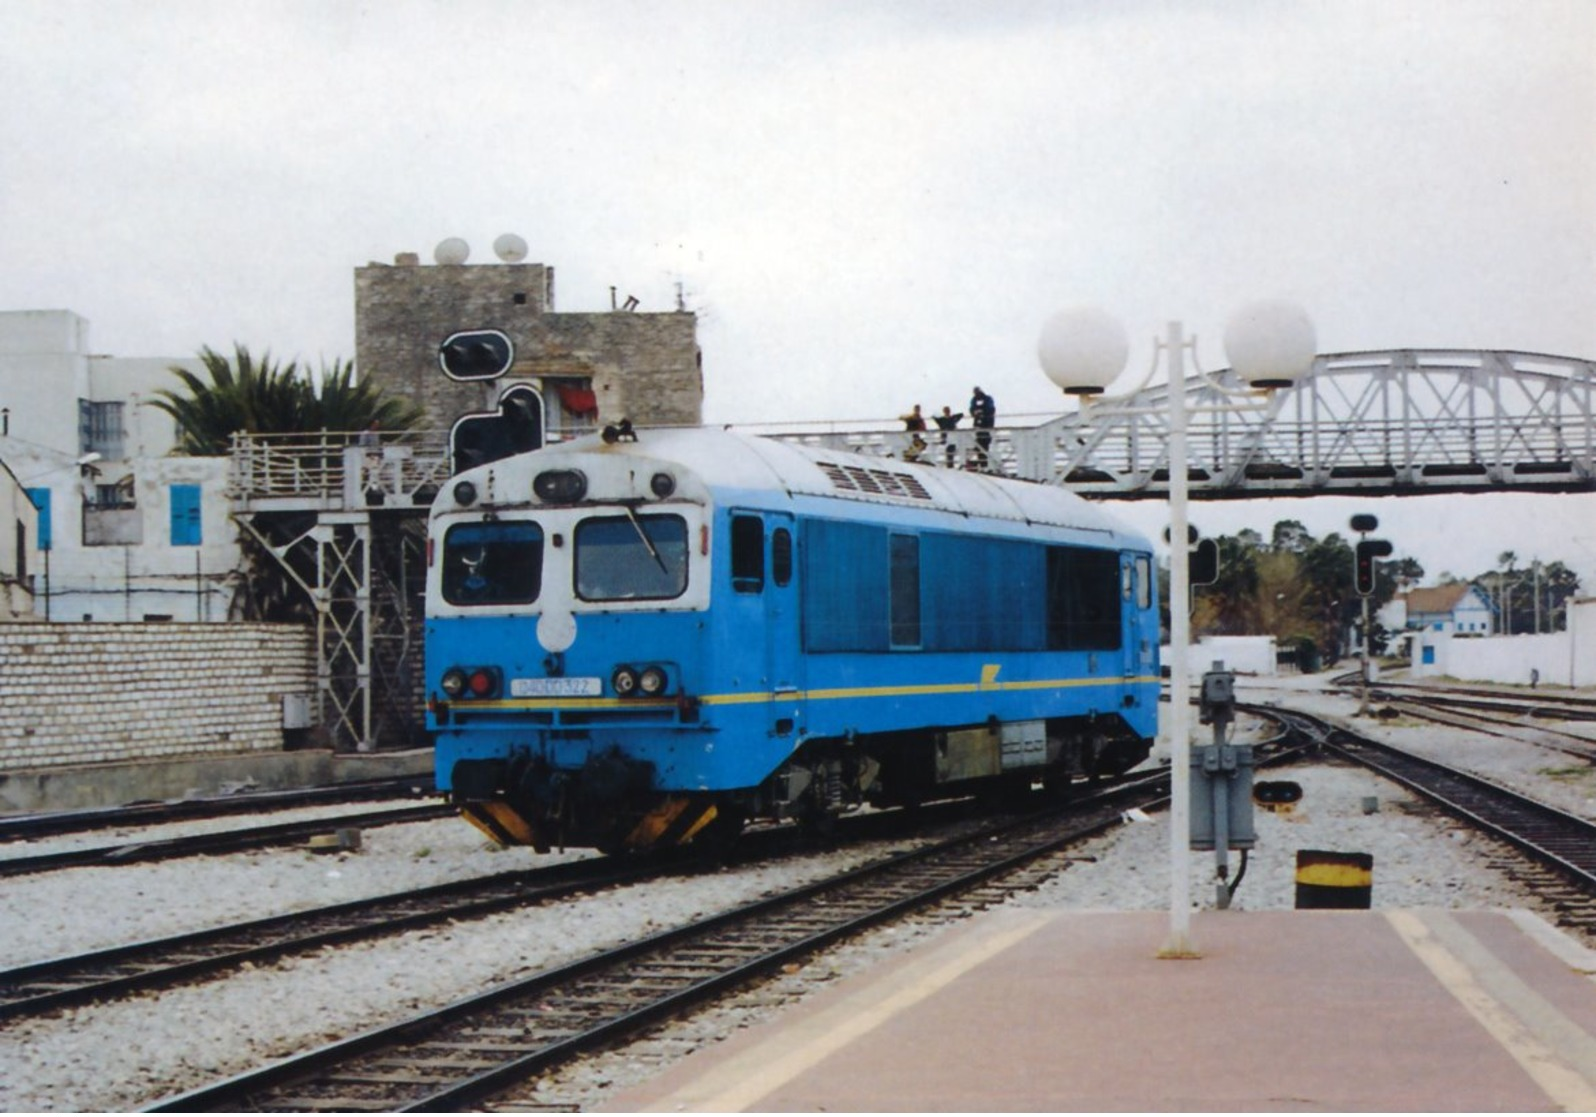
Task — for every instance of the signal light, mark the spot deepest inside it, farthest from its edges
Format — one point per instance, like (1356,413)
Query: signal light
(484,682)
(624,680)
(651,682)
(1203,566)
(1363,563)
(476,355)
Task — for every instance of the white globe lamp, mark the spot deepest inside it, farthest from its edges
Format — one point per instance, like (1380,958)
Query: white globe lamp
(1271,344)
(1083,350)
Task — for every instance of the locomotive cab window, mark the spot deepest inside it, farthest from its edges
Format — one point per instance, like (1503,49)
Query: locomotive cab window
(497,563)
(747,554)
(1144,582)
(631,558)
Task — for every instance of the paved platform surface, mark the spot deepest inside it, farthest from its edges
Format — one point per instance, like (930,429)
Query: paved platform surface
(1074,1011)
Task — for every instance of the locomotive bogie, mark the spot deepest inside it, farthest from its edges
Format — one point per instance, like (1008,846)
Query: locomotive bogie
(647,643)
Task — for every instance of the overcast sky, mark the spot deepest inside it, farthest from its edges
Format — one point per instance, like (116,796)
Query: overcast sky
(868,204)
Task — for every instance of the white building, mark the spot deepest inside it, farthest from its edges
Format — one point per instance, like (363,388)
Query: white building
(1457,608)
(125,532)
(19,549)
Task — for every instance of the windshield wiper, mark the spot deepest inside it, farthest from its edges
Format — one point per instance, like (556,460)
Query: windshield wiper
(643,535)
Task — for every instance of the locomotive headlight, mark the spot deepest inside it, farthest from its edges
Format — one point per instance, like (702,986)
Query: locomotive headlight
(651,682)
(453,682)
(465,493)
(624,680)
(560,486)
(662,485)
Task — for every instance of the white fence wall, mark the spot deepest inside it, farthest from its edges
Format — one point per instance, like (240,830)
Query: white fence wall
(1246,655)
(89,693)
(1563,658)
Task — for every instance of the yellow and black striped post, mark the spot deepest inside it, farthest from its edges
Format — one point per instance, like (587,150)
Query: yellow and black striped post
(1334,880)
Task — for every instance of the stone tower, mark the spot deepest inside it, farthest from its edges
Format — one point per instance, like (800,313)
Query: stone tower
(591,368)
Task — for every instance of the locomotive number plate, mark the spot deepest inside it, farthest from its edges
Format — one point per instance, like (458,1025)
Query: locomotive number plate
(579,687)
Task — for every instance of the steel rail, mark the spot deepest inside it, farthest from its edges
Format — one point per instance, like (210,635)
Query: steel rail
(52,823)
(224,841)
(475,1047)
(1544,833)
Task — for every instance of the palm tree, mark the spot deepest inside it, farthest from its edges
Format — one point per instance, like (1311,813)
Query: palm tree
(263,397)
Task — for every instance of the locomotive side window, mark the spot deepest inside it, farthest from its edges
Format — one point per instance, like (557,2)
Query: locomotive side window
(781,556)
(1144,582)
(903,581)
(747,554)
(631,558)
(493,563)
(1083,599)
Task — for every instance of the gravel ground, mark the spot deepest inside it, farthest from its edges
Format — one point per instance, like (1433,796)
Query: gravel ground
(126,1054)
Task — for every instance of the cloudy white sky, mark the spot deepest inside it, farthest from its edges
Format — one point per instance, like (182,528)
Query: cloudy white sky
(870,204)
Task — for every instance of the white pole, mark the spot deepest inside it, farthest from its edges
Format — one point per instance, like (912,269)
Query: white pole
(1179,944)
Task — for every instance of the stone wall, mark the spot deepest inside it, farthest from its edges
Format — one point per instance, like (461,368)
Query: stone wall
(93,693)
(645,367)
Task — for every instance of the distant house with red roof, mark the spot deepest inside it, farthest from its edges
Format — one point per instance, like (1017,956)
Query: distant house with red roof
(1459,608)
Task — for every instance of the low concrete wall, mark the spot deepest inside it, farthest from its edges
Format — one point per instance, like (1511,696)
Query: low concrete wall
(1245,655)
(75,694)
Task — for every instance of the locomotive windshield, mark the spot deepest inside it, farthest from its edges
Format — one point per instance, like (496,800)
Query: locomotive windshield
(631,558)
(497,563)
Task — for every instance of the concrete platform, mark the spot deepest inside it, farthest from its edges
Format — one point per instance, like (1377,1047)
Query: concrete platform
(1284,1011)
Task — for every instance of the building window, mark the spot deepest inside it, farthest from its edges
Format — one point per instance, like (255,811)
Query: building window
(186,528)
(41,501)
(100,429)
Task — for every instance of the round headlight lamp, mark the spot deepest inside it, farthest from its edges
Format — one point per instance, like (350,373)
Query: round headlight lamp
(624,680)
(453,682)
(465,492)
(651,682)
(662,485)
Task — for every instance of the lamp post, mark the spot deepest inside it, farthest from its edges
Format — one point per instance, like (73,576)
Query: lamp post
(1083,350)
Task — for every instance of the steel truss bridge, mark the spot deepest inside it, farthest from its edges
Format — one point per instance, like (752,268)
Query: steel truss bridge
(348,522)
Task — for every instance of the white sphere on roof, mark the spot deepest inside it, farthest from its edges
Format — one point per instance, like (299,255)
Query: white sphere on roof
(451,250)
(510,248)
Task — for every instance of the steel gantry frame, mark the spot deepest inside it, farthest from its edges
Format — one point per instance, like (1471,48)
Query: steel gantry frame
(348,522)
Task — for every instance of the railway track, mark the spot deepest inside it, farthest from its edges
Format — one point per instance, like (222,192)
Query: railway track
(1556,851)
(53,823)
(461,1055)
(110,973)
(224,841)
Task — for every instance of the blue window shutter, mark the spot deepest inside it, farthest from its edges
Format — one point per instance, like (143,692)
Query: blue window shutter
(186,516)
(41,501)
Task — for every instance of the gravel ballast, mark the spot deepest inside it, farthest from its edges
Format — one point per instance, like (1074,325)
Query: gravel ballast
(128,1053)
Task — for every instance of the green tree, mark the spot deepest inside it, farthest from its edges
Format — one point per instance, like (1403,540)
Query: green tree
(265,397)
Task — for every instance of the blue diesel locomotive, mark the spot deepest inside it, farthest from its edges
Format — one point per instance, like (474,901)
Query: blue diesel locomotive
(652,640)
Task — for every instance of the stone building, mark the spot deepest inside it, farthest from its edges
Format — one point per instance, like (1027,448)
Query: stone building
(590,368)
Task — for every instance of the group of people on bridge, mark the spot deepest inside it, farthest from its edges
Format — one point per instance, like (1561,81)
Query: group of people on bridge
(983,415)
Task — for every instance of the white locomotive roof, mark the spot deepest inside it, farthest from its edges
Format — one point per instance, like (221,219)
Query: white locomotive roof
(726,459)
